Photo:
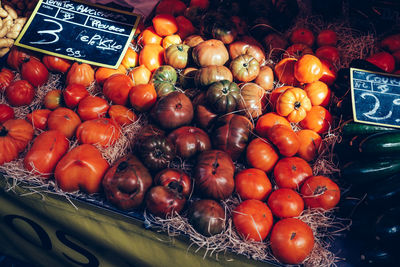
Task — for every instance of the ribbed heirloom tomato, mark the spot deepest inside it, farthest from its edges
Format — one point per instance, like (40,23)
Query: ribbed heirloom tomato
(253,220)
(122,115)
(20,93)
(56,64)
(252,184)
(73,94)
(102,131)
(140,75)
(284,71)
(294,104)
(38,118)
(34,71)
(80,73)
(292,241)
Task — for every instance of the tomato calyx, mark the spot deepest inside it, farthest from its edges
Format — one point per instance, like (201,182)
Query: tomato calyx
(122,166)
(176,186)
(3,131)
(297,105)
(293,236)
(320,190)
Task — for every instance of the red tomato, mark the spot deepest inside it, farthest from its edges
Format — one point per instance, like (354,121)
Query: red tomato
(56,64)
(383,60)
(327,37)
(46,151)
(185,27)
(285,139)
(291,172)
(266,121)
(39,118)
(6,113)
(329,53)
(122,115)
(52,99)
(292,241)
(73,94)
(202,4)
(92,107)
(302,36)
(318,119)
(173,7)
(65,120)
(82,168)
(102,131)
(285,203)
(253,220)
(261,155)
(328,72)
(143,96)
(116,88)
(6,76)
(310,143)
(252,184)
(20,93)
(34,71)
(320,192)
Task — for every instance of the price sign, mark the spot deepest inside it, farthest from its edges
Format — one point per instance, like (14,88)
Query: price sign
(375,97)
(79,31)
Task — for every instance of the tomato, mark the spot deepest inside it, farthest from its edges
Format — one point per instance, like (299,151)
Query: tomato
(162,201)
(82,168)
(65,120)
(122,115)
(253,220)
(202,4)
(173,7)
(102,131)
(80,73)
(46,151)
(383,60)
(92,107)
(140,75)
(265,78)
(302,36)
(210,52)
(130,59)
(297,50)
(247,47)
(38,118)
(266,121)
(73,94)
(318,93)
(207,216)
(291,240)
(284,71)
(165,24)
(318,119)
(151,56)
(244,68)
(6,113)
(261,155)
(56,64)
(185,27)
(53,99)
(308,69)
(320,192)
(175,179)
(285,203)
(143,96)
(189,141)
(310,143)
(327,37)
(102,73)
(16,57)
(15,135)
(274,95)
(34,71)
(116,88)
(193,40)
(329,53)
(328,73)
(291,172)
(252,184)
(170,40)
(20,93)
(6,77)
(149,36)
(285,139)
(177,55)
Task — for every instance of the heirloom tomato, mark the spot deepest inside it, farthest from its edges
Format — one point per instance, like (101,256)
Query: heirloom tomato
(38,118)
(383,60)
(170,40)
(207,75)
(253,220)
(308,69)
(291,172)
(246,47)
(102,131)
(302,36)
(130,59)
(65,120)
(327,37)
(149,36)
(328,53)
(6,77)
(122,115)
(223,96)
(20,93)
(266,121)
(284,71)
(285,139)
(175,179)
(102,73)
(253,100)
(210,53)
(165,24)
(318,93)
(117,87)
(143,96)
(297,50)
(318,119)
(310,143)
(261,155)
(6,113)
(177,55)
(73,94)
(285,203)
(56,64)
(80,73)
(92,107)
(16,56)
(163,201)
(189,141)
(140,75)
(294,104)
(82,168)
(320,192)
(207,216)
(185,27)
(151,56)
(274,95)
(193,40)
(245,68)
(265,78)
(53,99)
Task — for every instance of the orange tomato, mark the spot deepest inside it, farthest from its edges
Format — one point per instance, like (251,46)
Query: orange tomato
(116,88)
(261,155)
(252,184)
(310,142)
(285,139)
(149,36)
(102,73)
(140,75)
(266,121)
(274,95)
(165,24)
(170,40)
(284,71)
(318,93)
(152,56)
(143,96)
(308,69)
(64,120)
(130,59)
(92,107)
(293,104)
(122,115)
(318,119)
(38,118)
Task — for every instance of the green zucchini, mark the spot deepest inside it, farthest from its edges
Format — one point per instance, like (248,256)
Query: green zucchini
(386,193)
(381,144)
(351,128)
(366,171)
(387,225)
(378,254)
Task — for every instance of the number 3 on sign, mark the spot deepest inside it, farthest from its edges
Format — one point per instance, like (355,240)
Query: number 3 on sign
(53,33)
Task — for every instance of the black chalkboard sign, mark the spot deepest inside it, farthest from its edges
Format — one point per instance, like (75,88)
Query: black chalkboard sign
(375,97)
(79,31)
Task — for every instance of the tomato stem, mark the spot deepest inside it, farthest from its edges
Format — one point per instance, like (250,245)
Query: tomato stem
(3,131)
(297,105)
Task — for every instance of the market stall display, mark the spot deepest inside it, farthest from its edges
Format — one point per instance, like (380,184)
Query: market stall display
(224,123)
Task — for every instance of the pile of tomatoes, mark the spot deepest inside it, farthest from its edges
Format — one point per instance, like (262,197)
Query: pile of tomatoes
(242,111)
